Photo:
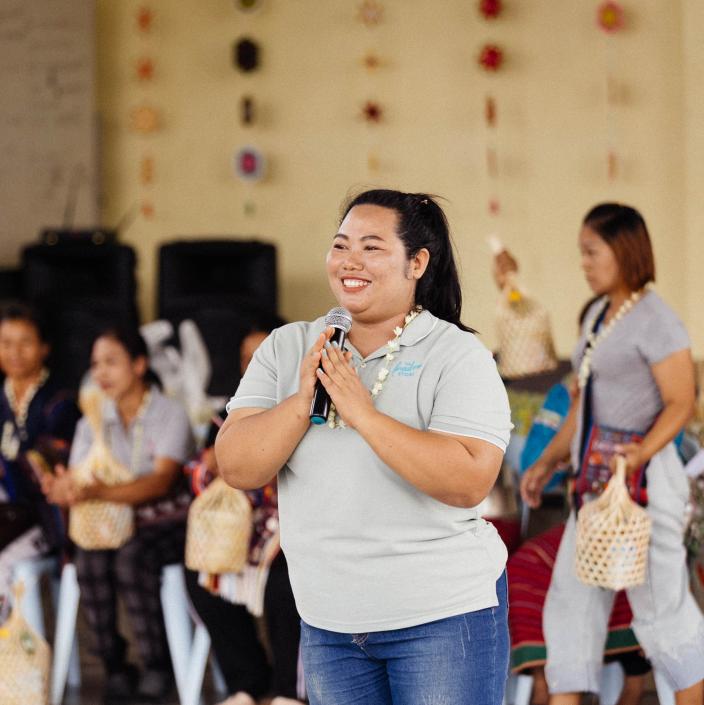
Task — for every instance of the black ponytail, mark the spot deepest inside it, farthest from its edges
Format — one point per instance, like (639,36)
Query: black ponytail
(422,224)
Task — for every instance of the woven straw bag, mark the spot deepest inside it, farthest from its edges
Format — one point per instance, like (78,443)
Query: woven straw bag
(96,524)
(219,530)
(613,534)
(25,660)
(525,342)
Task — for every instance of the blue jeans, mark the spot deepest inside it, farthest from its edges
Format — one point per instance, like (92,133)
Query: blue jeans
(461,660)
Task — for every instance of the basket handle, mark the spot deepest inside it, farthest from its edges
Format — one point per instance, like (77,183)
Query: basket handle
(620,473)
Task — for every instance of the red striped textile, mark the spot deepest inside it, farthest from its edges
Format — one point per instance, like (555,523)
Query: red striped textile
(529,573)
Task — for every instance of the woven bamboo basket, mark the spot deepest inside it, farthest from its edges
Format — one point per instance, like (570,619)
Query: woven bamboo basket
(613,534)
(25,659)
(525,342)
(96,524)
(219,530)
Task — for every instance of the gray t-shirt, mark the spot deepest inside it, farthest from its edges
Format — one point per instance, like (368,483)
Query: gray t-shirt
(624,393)
(165,433)
(366,550)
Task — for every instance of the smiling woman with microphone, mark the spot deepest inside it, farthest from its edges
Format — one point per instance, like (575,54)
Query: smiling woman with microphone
(400,584)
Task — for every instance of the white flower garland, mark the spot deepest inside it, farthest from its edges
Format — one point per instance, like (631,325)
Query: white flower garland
(585,366)
(334,420)
(20,410)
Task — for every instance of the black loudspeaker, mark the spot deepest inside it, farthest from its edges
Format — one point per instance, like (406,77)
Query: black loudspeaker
(10,285)
(220,285)
(80,288)
(92,236)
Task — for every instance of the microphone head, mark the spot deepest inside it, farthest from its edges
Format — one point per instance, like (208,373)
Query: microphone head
(339,317)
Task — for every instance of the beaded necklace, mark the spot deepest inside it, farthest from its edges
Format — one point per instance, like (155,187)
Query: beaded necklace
(393,345)
(593,338)
(20,410)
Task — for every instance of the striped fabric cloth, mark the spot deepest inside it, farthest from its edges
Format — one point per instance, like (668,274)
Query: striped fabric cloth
(529,574)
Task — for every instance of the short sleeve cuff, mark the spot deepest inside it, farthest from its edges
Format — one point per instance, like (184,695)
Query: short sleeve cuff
(250,402)
(490,436)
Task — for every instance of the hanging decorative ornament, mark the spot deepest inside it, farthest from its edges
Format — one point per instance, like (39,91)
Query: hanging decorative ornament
(490,111)
(490,9)
(491,57)
(249,164)
(249,208)
(371,13)
(371,61)
(246,54)
(147,210)
(492,162)
(145,120)
(612,165)
(610,16)
(145,19)
(494,206)
(146,171)
(144,69)
(372,112)
(247,114)
(248,5)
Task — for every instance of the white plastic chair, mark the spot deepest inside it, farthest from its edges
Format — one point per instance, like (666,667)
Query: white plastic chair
(30,571)
(197,662)
(175,606)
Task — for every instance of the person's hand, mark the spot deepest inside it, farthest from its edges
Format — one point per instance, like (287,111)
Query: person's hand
(308,376)
(351,398)
(59,488)
(532,483)
(86,492)
(504,263)
(633,454)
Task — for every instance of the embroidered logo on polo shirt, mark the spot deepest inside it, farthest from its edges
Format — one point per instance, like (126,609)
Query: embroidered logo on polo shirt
(406,368)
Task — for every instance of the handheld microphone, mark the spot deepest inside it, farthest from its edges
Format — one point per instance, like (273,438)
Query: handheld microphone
(341,320)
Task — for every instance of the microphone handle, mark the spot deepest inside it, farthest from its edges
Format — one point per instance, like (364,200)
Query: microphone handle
(320,406)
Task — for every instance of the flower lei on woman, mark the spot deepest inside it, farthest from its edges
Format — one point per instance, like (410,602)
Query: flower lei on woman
(593,339)
(393,345)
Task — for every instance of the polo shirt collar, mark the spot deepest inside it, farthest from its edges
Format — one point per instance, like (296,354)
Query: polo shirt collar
(418,329)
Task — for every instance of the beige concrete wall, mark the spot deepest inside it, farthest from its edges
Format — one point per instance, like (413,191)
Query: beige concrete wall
(552,133)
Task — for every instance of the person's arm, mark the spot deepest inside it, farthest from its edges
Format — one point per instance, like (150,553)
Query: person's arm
(538,475)
(456,470)
(151,486)
(254,444)
(674,377)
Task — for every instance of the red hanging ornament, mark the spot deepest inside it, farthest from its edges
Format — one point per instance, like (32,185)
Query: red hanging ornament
(372,112)
(494,206)
(145,19)
(147,209)
(145,69)
(490,111)
(491,57)
(490,9)
(610,17)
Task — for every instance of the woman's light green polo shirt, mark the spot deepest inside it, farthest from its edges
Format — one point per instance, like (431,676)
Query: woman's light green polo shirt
(366,550)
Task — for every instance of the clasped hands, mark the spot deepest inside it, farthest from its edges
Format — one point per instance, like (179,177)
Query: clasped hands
(61,488)
(352,399)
